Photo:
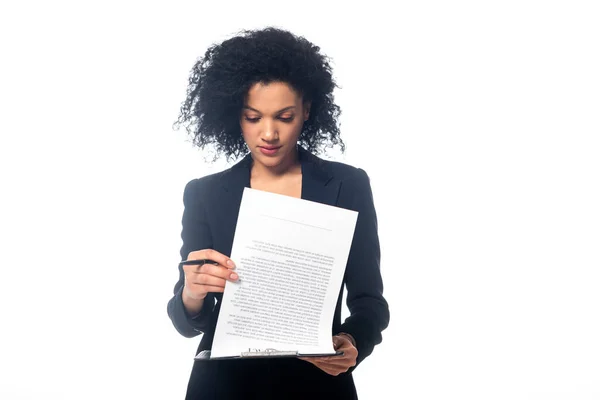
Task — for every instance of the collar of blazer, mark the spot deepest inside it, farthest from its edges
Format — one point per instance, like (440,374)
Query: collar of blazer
(318,182)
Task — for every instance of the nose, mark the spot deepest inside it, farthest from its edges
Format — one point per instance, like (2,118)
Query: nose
(269,133)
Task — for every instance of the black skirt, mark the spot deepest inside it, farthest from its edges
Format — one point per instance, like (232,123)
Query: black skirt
(281,378)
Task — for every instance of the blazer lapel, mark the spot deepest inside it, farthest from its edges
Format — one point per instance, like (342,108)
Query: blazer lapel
(318,183)
(233,181)
(236,178)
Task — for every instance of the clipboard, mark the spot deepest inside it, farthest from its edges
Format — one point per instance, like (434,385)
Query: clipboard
(204,355)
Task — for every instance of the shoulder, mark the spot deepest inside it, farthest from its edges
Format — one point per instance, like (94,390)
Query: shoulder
(198,188)
(346,173)
(354,185)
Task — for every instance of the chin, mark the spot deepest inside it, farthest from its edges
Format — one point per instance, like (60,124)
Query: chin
(269,161)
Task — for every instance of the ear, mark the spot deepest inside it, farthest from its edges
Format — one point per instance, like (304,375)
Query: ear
(306,110)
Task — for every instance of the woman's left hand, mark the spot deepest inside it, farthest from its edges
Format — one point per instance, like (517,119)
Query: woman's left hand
(336,365)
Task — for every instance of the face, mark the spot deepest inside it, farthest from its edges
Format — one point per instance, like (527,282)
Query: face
(271,122)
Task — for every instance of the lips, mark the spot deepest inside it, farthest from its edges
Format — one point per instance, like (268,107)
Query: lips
(269,150)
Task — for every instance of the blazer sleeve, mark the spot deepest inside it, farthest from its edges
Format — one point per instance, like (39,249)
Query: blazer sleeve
(196,235)
(369,312)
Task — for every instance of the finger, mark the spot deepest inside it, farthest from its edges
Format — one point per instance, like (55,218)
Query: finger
(327,360)
(342,343)
(218,271)
(348,349)
(209,288)
(197,268)
(324,358)
(339,341)
(210,269)
(348,357)
(342,362)
(210,254)
(205,279)
(331,369)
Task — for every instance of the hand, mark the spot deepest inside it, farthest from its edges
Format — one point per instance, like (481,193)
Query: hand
(202,279)
(336,365)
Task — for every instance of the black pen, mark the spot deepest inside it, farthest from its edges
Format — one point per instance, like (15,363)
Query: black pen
(198,262)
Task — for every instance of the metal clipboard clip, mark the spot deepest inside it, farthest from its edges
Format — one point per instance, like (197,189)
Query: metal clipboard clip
(204,355)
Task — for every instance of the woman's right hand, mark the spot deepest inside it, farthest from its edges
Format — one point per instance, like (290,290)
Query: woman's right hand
(202,279)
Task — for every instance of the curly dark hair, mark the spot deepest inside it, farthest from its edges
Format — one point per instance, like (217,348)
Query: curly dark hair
(219,83)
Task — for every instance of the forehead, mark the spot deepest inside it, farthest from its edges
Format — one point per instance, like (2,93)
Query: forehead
(272,96)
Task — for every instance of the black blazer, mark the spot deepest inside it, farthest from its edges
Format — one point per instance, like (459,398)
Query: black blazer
(211,208)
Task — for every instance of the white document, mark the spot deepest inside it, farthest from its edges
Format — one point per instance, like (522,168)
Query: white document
(290,255)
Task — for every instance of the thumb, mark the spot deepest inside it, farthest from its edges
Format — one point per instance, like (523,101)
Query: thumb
(338,342)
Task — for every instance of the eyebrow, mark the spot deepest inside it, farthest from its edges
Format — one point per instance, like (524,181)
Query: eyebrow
(278,112)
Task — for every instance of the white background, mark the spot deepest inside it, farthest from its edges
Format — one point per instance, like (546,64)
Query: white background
(477,121)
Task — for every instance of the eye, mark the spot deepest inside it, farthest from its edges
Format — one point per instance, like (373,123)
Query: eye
(252,120)
(286,119)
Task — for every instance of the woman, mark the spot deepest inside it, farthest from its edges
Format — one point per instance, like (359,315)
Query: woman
(270,92)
